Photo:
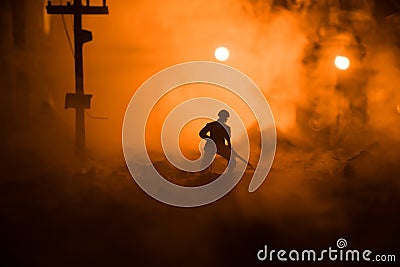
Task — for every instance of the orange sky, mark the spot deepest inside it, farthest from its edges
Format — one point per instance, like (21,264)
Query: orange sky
(140,38)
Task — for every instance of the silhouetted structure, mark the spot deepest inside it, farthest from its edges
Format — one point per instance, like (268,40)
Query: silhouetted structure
(30,44)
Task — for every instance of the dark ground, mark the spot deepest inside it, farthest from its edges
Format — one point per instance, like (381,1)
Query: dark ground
(54,214)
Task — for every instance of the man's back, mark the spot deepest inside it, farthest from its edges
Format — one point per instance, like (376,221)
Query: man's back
(218,133)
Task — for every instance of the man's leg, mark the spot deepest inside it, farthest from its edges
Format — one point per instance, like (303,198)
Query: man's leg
(226,153)
(208,157)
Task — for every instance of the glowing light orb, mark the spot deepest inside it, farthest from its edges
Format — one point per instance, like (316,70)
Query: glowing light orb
(398,109)
(221,53)
(342,63)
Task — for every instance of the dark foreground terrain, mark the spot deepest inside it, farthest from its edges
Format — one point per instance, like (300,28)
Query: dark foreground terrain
(54,213)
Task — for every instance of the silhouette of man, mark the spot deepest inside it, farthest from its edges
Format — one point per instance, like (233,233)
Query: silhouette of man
(220,133)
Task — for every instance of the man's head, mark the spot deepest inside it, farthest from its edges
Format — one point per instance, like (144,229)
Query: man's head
(223,115)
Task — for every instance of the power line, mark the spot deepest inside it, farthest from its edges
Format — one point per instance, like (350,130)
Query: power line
(96,117)
(66,32)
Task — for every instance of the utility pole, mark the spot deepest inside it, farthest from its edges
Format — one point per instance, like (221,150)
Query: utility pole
(79,100)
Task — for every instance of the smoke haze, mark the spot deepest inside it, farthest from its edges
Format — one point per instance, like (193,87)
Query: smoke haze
(335,172)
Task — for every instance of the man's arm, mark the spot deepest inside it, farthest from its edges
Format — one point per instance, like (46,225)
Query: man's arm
(203,132)
(228,136)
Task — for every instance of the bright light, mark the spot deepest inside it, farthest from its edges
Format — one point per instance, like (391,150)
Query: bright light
(342,63)
(398,109)
(221,53)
